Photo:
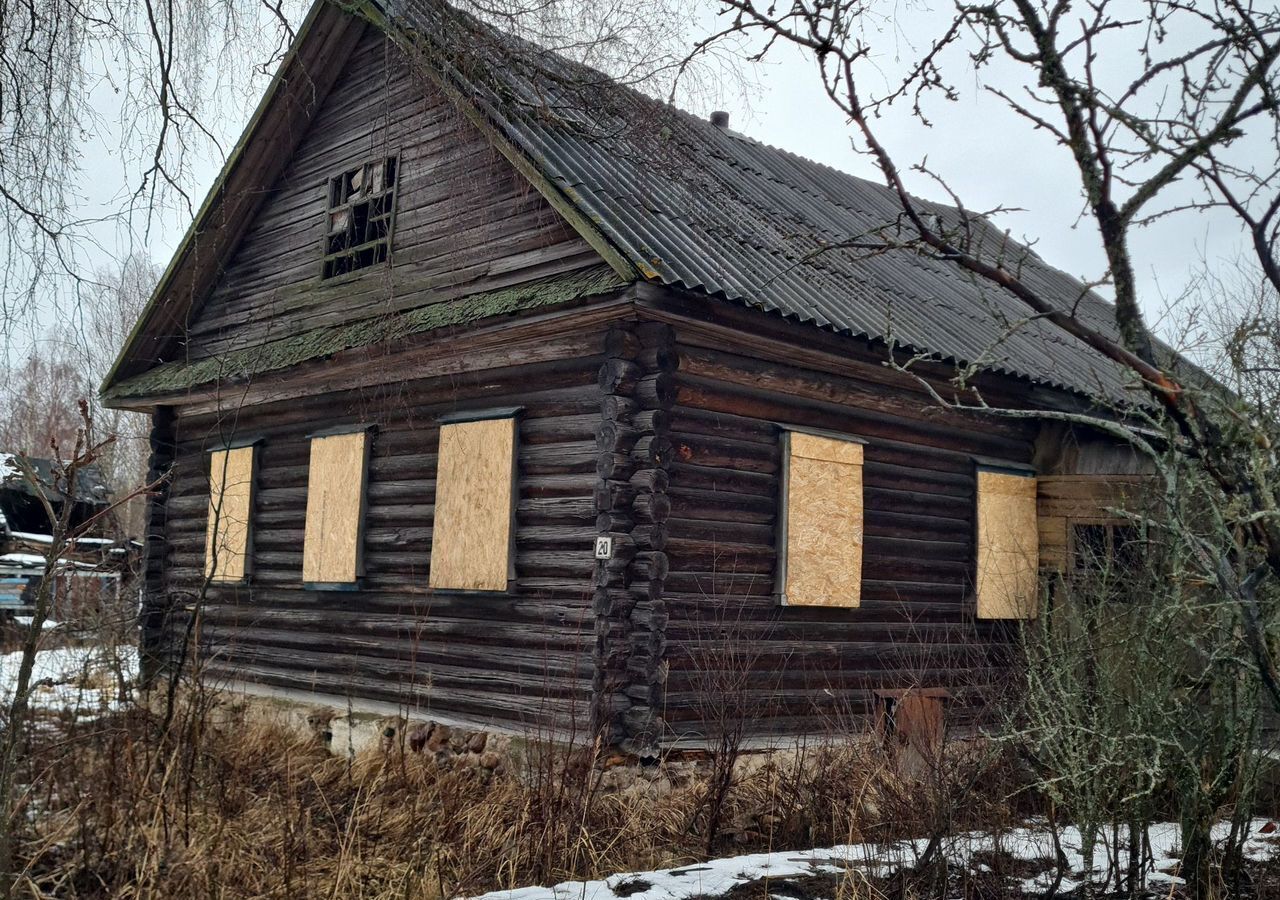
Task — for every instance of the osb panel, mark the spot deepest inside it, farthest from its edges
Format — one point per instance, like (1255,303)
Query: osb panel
(1008,547)
(471,534)
(1066,499)
(335,506)
(226,546)
(812,446)
(824,522)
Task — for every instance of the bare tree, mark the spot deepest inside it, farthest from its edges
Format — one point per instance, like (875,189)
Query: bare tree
(155,92)
(70,460)
(1198,128)
(41,395)
(39,398)
(1135,691)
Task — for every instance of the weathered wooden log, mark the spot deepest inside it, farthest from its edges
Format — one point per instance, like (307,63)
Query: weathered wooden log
(612,495)
(616,408)
(834,416)
(659,359)
(614,466)
(619,376)
(653,480)
(657,391)
(622,343)
(616,436)
(645,589)
(651,507)
(652,451)
(720,452)
(652,565)
(605,601)
(652,420)
(614,522)
(650,614)
(722,506)
(650,537)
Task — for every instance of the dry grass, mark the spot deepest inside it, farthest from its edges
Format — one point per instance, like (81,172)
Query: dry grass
(248,809)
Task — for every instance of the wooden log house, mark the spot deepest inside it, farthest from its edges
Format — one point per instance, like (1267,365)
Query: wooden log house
(493,392)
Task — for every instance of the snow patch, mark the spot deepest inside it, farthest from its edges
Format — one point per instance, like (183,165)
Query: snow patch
(72,679)
(717,877)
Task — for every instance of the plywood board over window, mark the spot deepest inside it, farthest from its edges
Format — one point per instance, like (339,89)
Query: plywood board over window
(472,535)
(820,551)
(1007,563)
(226,547)
(332,548)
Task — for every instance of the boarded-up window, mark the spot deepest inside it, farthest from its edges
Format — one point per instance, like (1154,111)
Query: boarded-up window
(471,536)
(226,547)
(332,551)
(820,558)
(1007,546)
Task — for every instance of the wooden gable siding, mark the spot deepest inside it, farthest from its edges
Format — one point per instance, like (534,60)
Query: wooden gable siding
(518,659)
(465,219)
(811,669)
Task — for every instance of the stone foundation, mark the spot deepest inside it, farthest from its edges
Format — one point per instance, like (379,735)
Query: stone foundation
(349,732)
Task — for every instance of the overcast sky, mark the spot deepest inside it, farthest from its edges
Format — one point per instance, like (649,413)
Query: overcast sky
(989,156)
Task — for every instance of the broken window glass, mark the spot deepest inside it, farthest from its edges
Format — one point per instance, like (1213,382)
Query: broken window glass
(360,216)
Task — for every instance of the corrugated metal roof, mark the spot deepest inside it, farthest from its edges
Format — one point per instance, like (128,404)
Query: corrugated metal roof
(702,208)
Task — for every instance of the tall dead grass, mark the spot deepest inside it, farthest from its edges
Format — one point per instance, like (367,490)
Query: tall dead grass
(226,807)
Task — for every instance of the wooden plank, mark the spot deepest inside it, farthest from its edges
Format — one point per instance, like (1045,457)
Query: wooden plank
(822,486)
(466,220)
(1067,500)
(1007,547)
(331,548)
(226,549)
(475,489)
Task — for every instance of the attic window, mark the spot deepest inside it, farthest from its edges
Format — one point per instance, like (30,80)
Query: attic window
(361,211)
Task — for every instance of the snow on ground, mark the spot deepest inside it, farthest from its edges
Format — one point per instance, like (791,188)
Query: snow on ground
(719,876)
(72,679)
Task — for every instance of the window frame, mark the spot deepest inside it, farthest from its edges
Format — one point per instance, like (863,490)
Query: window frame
(783,530)
(330,258)
(512,414)
(367,431)
(246,567)
(1118,552)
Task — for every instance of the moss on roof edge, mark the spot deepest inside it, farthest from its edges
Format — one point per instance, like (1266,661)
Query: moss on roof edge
(172,377)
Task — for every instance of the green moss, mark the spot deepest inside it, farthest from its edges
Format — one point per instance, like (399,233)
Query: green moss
(321,342)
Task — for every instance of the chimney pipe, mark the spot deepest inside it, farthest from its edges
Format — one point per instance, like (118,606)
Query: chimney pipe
(720,119)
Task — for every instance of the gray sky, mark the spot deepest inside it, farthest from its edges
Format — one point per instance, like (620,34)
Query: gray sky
(988,155)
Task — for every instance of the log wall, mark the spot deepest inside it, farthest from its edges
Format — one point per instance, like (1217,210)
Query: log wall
(664,438)
(636,393)
(520,659)
(732,649)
